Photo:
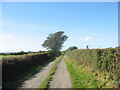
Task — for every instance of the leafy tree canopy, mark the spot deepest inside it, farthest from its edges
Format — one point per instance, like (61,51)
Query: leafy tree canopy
(55,41)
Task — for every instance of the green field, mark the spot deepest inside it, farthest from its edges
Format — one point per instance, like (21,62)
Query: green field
(9,55)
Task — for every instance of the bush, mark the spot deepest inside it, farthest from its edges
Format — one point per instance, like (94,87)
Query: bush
(72,48)
(12,67)
(102,60)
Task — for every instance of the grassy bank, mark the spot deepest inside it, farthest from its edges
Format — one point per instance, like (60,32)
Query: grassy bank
(23,76)
(104,63)
(81,77)
(18,68)
(52,71)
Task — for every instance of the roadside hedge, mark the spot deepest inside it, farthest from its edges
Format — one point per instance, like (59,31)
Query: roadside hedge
(102,60)
(12,67)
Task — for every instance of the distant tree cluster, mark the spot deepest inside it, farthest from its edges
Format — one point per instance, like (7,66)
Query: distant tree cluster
(72,48)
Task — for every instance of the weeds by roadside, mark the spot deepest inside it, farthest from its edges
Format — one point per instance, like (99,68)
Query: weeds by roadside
(82,78)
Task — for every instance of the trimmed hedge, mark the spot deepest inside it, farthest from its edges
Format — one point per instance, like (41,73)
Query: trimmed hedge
(12,67)
(102,60)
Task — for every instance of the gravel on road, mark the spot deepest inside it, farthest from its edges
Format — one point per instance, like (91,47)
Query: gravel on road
(61,78)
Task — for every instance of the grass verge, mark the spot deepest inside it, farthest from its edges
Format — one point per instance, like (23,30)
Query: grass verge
(45,83)
(52,71)
(82,78)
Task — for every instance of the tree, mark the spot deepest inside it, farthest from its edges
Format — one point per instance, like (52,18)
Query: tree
(72,48)
(54,41)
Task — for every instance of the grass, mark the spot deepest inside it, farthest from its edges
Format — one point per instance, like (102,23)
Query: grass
(82,78)
(45,83)
(8,55)
(25,75)
(52,71)
(58,59)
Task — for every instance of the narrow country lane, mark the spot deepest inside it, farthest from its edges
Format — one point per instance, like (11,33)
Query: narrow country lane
(61,78)
(38,78)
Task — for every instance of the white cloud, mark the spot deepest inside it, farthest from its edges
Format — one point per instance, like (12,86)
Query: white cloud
(103,39)
(5,36)
(85,38)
